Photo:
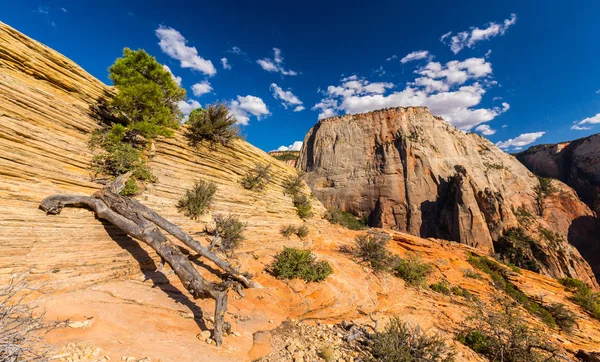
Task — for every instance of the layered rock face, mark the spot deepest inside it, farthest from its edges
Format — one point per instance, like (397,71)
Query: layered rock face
(409,170)
(575,163)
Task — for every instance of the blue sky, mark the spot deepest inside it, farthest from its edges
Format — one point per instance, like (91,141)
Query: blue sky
(520,72)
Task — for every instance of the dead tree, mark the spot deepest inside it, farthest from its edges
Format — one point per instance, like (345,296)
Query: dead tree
(142,223)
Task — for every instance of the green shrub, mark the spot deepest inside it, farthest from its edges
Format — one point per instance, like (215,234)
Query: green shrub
(302,231)
(257,178)
(470,273)
(400,342)
(294,263)
(413,270)
(229,228)
(130,189)
(346,219)
(462,292)
(542,190)
(287,156)
(516,247)
(371,248)
(288,230)
(292,185)
(502,335)
(216,125)
(440,287)
(565,319)
(303,206)
(583,296)
(196,200)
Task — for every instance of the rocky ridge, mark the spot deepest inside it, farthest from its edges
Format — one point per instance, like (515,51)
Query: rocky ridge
(409,170)
(121,302)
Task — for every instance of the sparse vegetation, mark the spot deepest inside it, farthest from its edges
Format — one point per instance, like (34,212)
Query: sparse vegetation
(400,342)
(257,178)
(20,323)
(215,125)
(565,319)
(229,228)
(303,206)
(292,185)
(523,216)
(412,270)
(516,247)
(583,296)
(462,292)
(440,287)
(295,263)
(501,335)
(346,219)
(196,200)
(300,231)
(371,248)
(498,273)
(494,166)
(470,273)
(544,189)
(286,156)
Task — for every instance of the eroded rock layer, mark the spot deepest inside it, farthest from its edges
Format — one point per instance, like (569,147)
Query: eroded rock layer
(409,170)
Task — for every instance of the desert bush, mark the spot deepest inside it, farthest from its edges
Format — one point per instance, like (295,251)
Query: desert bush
(564,318)
(346,219)
(400,342)
(229,228)
(462,292)
(303,206)
(470,273)
(371,248)
(295,263)
(287,156)
(412,270)
(257,178)
(216,125)
(292,185)
(502,335)
(542,190)
(516,247)
(289,230)
(20,322)
(196,200)
(583,296)
(440,287)
(302,231)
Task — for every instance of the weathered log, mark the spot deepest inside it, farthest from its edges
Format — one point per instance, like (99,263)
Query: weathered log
(142,223)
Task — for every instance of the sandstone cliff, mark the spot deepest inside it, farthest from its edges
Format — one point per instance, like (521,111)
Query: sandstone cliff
(409,170)
(124,304)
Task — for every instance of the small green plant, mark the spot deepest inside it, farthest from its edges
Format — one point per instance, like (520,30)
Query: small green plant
(470,273)
(303,206)
(412,270)
(292,185)
(346,219)
(196,200)
(295,263)
(257,178)
(215,125)
(371,248)
(523,216)
(400,342)
(565,319)
(286,156)
(542,190)
(494,166)
(501,335)
(462,292)
(516,247)
(440,287)
(302,231)
(130,189)
(229,228)
(583,296)
(288,230)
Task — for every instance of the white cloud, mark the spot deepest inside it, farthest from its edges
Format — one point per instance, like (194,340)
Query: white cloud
(468,38)
(286,97)
(176,79)
(243,107)
(488,53)
(236,50)
(416,55)
(598,91)
(63,10)
(201,88)
(43,10)
(441,88)
(186,107)
(174,45)
(225,64)
(485,130)
(296,146)
(579,126)
(521,140)
(275,64)
(392,57)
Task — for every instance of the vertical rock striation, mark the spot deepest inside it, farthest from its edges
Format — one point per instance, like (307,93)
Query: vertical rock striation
(406,169)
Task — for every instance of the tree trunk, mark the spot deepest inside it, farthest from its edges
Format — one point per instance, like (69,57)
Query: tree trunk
(142,223)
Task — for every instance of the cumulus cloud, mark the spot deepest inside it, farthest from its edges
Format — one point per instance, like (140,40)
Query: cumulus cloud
(176,79)
(201,88)
(521,140)
(416,55)
(580,126)
(236,50)
(296,146)
(173,44)
(275,64)
(243,107)
(225,64)
(287,98)
(468,38)
(440,87)
(485,130)
(186,107)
